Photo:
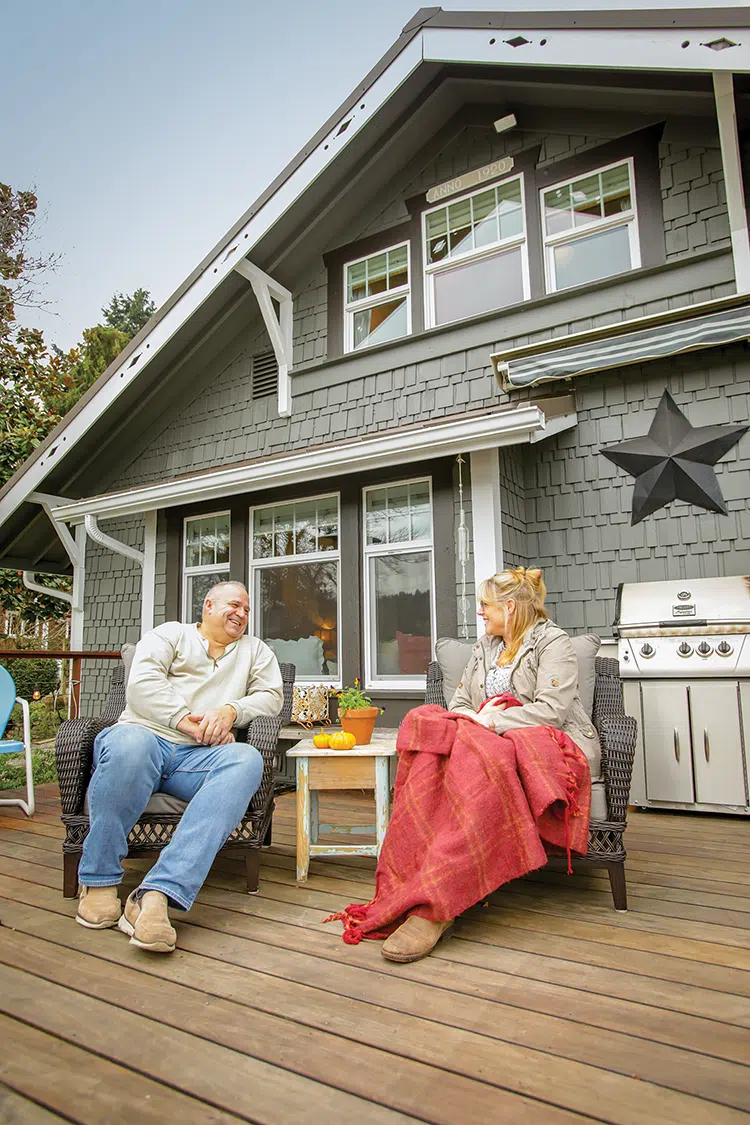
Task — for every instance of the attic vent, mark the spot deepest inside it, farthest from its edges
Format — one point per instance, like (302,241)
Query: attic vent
(517,41)
(265,375)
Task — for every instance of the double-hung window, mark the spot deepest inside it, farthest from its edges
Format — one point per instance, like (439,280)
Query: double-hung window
(475,253)
(294,584)
(377,305)
(590,227)
(205,560)
(399,584)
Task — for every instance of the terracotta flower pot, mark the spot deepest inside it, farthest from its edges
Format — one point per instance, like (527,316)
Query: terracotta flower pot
(360,723)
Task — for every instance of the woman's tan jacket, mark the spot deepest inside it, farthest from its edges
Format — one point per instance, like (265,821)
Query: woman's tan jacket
(545,679)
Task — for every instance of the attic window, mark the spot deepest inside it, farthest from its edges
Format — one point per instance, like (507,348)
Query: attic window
(720,44)
(265,375)
(517,41)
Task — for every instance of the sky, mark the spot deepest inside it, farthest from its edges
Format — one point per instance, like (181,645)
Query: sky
(147,128)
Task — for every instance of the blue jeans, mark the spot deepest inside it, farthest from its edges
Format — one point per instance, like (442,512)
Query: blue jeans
(131,763)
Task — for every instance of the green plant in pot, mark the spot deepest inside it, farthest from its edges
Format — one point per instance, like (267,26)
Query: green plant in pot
(357,713)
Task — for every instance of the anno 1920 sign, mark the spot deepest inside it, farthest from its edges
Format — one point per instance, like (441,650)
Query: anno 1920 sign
(471,179)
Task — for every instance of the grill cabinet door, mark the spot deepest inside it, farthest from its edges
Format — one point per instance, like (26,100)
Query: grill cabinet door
(717,745)
(666,740)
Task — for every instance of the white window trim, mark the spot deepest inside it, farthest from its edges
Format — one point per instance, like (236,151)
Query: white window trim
(414,546)
(191,571)
(504,244)
(625,218)
(352,307)
(297,560)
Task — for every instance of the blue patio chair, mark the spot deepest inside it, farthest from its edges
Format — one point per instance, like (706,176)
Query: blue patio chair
(7,746)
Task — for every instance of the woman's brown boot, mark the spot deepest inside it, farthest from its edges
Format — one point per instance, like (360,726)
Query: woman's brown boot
(414,939)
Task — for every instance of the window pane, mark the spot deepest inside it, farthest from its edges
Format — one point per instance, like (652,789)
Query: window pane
(459,225)
(357,281)
(208,542)
(509,209)
(193,543)
(400,606)
(284,530)
(385,322)
(557,210)
(398,267)
(198,586)
(486,230)
(297,615)
(222,539)
(377,274)
(328,524)
(305,527)
(616,190)
(592,257)
(377,516)
(263,533)
(419,503)
(478,286)
(586,196)
(398,514)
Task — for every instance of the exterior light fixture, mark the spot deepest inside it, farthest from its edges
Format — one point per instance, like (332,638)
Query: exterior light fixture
(504,123)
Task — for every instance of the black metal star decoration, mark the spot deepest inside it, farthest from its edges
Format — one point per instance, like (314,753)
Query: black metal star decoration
(675,461)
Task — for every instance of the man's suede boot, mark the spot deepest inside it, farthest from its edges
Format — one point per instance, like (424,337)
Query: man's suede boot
(98,907)
(147,922)
(414,939)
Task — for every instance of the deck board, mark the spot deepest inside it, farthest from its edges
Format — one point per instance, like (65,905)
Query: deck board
(546,1008)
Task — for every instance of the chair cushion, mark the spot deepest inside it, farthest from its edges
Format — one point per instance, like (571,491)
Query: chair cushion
(453,655)
(598,800)
(413,653)
(586,646)
(127,652)
(306,654)
(159,804)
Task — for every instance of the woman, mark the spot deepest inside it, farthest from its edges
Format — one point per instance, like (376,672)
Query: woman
(472,811)
(525,655)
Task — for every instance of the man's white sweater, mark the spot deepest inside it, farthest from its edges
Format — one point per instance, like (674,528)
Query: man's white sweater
(173,676)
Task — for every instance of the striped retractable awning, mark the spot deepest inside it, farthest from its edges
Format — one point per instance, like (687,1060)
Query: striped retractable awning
(648,338)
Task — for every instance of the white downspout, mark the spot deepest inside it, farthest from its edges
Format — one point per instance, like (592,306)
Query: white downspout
(146,559)
(726,115)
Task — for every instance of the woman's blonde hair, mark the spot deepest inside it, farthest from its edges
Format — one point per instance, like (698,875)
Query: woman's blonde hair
(527,589)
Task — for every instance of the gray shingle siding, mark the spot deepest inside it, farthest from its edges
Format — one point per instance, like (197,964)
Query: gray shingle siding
(693,198)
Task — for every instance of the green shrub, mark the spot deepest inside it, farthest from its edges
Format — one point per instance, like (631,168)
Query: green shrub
(44,722)
(13,771)
(40,675)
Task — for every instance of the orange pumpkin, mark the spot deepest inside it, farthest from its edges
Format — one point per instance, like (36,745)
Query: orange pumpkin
(321,741)
(342,740)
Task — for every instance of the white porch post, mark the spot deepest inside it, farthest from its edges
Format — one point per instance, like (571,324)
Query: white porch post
(485,513)
(730,157)
(148,577)
(79,582)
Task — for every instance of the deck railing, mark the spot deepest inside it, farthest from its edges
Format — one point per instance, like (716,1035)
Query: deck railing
(74,679)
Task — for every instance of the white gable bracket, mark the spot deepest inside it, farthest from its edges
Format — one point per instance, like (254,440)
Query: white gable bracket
(29,581)
(279,328)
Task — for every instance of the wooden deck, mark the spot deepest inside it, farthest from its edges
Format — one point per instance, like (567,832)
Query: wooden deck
(547,1008)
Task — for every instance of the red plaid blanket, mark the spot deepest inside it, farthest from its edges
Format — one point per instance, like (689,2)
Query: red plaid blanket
(472,810)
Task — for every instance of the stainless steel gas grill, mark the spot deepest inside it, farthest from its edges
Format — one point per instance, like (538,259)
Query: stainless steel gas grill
(684,652)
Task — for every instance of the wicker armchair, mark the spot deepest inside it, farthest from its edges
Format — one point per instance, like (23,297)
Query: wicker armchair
(617,734)
(74,748)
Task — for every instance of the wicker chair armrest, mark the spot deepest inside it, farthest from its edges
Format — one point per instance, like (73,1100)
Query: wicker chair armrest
(434,691)
(617,735)
(263,734)
(74,751)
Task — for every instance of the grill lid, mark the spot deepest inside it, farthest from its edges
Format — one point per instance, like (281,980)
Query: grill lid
(683,605)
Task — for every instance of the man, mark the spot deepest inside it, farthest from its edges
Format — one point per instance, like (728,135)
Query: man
(188,687)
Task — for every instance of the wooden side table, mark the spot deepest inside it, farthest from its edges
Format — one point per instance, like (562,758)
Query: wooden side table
(363,767)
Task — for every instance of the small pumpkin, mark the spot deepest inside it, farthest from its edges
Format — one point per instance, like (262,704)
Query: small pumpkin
(322,740)
(342,740)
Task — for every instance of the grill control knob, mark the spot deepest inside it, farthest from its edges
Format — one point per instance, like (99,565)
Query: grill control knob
(724,648)
(704,648)
(684,649)
(647,649)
